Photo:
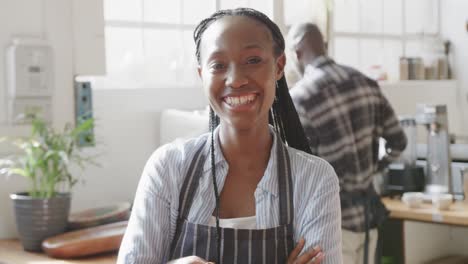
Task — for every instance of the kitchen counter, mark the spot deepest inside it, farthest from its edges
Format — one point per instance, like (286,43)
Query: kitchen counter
(456,215)
(11,252)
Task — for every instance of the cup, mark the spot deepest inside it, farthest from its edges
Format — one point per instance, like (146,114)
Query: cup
(413,199)
(442,201)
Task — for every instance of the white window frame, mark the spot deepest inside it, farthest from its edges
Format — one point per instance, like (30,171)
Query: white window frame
(277,15)
(404,37)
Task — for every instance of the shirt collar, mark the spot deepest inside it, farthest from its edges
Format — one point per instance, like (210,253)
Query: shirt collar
(269,181)
(320,61)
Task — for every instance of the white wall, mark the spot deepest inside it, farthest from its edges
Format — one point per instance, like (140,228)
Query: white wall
(50,20)
(454,16)
(127,120)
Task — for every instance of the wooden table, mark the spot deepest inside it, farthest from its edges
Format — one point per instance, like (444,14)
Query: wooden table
(393,229)
(11,252)
(456,215)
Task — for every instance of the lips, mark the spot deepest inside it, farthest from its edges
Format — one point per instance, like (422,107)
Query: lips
(240,100)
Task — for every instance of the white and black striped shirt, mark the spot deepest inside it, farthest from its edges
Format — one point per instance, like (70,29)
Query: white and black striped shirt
(344,114)
(153,220)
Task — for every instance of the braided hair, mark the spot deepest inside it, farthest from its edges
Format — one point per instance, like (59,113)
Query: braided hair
(283,116)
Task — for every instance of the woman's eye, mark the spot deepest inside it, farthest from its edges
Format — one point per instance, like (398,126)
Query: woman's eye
(254,60)
(217,66)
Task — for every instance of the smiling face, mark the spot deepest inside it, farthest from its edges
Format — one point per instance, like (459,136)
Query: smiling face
(239,70)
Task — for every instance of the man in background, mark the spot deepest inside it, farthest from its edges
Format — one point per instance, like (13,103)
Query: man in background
(344,114)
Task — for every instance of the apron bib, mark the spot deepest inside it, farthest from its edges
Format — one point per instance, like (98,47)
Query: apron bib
(271,245)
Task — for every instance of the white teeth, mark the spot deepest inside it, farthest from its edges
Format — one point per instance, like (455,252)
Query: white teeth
(239,100)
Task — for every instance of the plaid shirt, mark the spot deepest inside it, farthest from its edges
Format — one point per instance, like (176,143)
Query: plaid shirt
(344,115)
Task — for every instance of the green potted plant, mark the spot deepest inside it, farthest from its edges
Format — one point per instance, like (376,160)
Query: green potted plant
(45,160)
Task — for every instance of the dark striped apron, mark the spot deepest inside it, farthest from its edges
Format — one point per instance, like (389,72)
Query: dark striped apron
(271,245)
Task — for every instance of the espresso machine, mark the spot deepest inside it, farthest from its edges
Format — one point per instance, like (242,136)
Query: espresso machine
(438,160)
(404,175)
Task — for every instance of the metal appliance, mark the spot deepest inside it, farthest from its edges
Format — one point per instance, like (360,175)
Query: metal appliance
(404,175)
(438,160)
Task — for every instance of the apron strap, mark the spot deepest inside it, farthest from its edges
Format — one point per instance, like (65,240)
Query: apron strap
(191,182)
(285,188)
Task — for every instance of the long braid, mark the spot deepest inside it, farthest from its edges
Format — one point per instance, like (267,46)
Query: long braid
(214,121)
(283,115)
(289,124)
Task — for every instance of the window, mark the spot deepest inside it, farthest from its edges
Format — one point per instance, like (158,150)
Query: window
(376,33)
(149,43)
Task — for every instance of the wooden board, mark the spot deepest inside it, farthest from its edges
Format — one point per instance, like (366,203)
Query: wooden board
(456,215)
(99,216)
(86,242)
(11,252)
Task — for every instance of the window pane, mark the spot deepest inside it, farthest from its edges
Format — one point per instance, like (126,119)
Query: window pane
(229,4)
(431,16)
(346,15)
(414,16)
(392,51)
(392,16)
(371,55)
(162,11)
(414,48)
(264,6)
(298,11)
(421,16)
(129,10)
(162,56)
(371,16)
(346,51)
(124,49)
(189,73)
(194,11)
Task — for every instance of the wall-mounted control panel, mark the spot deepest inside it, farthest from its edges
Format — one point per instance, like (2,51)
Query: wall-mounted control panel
(29,79)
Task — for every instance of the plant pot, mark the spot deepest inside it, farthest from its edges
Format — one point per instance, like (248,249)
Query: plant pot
(38,218)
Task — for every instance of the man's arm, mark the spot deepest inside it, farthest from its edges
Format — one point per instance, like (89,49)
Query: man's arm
(392,133)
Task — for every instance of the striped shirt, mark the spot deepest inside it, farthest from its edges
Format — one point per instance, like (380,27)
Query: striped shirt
(344,114)
(155,210)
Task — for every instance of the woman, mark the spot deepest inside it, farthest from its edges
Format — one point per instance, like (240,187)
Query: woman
(246,192)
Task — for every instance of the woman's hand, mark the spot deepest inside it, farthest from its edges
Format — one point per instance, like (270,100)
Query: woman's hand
(313,256)
(189,260)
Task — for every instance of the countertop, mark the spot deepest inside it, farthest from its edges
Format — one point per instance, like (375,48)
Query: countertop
(11,252)
(456,215)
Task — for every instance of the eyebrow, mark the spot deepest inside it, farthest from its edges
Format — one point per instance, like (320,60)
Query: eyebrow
(246,47)
(253,46)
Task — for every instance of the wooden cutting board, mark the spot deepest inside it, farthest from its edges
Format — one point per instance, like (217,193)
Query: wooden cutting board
(86,242)
(99,216)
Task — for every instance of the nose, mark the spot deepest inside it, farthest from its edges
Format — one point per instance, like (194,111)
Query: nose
(236,77)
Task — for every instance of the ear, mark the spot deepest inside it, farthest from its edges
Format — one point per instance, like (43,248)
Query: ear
(199,69)
(298,54)
(280,63)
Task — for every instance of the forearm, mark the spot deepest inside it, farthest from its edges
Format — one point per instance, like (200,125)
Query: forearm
(321,226)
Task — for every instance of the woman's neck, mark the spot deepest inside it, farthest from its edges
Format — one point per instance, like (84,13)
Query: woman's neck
(241,147)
